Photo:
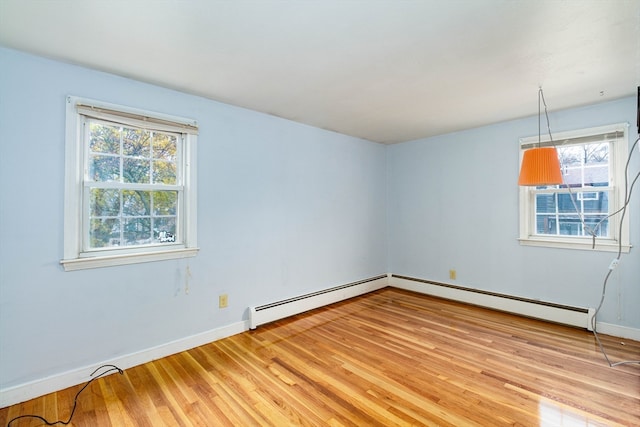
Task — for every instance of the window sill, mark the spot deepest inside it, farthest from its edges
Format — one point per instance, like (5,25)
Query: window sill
(601,246)
(125,259)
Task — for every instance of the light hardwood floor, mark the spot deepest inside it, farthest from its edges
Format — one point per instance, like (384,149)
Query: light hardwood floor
(387,358)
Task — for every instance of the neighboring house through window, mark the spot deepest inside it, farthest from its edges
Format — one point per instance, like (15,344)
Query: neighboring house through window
(130,191)
(583,209)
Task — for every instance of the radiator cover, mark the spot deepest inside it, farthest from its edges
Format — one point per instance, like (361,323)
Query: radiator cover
(557,313)
(259,315)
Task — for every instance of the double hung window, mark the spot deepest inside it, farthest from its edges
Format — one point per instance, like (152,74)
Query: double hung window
(581,212)
(130,186)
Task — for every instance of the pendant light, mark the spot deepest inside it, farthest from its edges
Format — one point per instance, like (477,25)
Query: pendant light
(540,165)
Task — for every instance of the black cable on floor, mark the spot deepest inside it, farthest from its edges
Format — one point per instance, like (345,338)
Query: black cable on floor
(75,399)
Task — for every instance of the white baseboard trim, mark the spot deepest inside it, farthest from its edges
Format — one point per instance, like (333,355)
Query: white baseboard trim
(23,392)
(618,331)
(26,391)
(299,304)
(515,306)
(574,316)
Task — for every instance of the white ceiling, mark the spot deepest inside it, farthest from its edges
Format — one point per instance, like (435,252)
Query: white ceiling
(384,70)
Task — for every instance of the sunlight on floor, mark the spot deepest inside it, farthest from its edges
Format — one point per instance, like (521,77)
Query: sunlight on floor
(554,414)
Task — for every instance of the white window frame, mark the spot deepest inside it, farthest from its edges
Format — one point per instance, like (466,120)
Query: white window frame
(617,160)
(76,214)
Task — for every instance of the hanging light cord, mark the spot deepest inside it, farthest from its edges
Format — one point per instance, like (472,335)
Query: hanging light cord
(592,231)
(112,368)
(628,189)
(571,195)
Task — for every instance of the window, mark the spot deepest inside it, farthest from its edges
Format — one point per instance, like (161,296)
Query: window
(130,190)
(580,212)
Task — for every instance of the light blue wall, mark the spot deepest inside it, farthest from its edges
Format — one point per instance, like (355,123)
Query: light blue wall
(283,209)
(453,203)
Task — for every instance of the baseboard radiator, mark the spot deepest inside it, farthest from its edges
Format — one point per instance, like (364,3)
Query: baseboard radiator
(280,309)
(557,313)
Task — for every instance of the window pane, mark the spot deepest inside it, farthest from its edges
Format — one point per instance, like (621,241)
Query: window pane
(165,202)
(104,232)
(105,202)
(104,168)
(165,146)
(594,225)
(566,204)
(545,203)
(596,175)
(164,172)
(132,217)
(104,138)
(546,224)
(135,142)
(136,231)
(135,203)
(136,170)
(570,225)
(571,155)
(595,202)
(165,230)
(585,164)
(593,205)
(596,154)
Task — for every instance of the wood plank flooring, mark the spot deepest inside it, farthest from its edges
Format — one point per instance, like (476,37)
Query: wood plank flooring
(388,358)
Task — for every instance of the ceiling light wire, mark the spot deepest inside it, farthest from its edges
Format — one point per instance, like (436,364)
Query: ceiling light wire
(627,191)
(592,231)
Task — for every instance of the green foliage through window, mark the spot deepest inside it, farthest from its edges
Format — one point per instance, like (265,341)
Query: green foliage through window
(133,185)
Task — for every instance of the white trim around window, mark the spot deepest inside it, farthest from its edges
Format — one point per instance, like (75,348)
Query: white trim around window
(77,254)
(617,135)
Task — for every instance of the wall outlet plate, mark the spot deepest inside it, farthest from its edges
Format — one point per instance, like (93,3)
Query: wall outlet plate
(223,301)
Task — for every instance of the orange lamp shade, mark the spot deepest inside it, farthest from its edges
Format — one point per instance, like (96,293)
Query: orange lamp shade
(540,166)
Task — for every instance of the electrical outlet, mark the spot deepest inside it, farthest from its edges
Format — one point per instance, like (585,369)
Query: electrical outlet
(223,301)
(452,274)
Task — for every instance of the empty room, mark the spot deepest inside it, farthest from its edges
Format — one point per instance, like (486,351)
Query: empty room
(319,213)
